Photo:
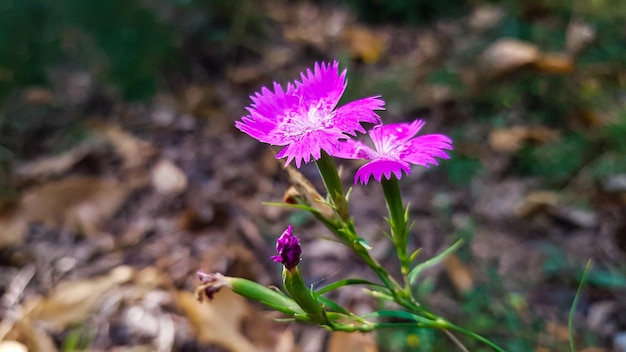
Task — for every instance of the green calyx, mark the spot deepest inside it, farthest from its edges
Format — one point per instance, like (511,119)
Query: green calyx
(271,298)
(304,296)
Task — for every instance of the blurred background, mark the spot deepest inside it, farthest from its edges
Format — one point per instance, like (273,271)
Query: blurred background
(121,172)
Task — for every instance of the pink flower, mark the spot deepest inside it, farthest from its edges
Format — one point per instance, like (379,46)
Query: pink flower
(304,118)
(396,149)
(288,248)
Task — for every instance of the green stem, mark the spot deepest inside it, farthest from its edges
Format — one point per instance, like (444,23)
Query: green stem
(345,231)
(397,221)
(348,236)
(332,182)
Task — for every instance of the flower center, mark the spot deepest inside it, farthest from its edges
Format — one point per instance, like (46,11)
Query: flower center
(387,146)
(300,123)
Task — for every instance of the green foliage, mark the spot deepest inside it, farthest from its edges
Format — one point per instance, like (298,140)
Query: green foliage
(556,162)
(448,78)
(462,171)
(79,338)
(126,43)
(533,97)
(122,40)
(28,45)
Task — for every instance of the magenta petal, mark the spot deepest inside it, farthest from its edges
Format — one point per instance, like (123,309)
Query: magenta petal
(322,87)
(266,107)
(351,149)
(424,149)
(380,167)
(311,145)
(398,132)
(350,116)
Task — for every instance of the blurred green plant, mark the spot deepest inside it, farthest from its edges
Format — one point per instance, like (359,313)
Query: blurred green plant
(120,41)
(130,46)
(586,105)
(125,43)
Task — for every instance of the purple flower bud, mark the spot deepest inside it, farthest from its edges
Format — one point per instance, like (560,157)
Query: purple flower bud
(288,248)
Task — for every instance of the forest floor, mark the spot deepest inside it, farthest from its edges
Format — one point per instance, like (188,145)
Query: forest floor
(101,238)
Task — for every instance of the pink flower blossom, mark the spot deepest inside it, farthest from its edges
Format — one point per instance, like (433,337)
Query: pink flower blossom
(396,148)
(304,118)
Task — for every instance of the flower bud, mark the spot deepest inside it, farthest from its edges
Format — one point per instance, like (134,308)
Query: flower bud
(288,248)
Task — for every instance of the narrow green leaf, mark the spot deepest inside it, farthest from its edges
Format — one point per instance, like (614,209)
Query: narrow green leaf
(348,193)
(379,295)
(397,314)
(361,241)
(415,254)
(346,282)
(417,270)
(292,206)
(332,305)
(572,311)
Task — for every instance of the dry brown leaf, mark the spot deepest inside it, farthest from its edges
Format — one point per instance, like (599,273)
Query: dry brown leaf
(55,165)
(459,274)
(556,63)
(485,17)
(510,140)
(306,193)
(311,25)
(219,320)
(71,302)
(507,55)
(13,228)
(202,101)
(168,178)
(559,332)
(578,36)
(152,277)
(33,336)
(134,151)
(76,204)
(286,341)
(589,119)
(38,96)
(353,342)
(535,202)
(365,44)
(540,134)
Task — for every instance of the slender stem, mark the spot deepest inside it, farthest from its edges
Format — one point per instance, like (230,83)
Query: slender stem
(348,236)
(447,325)
(455,340)
(332,182)
(346,233)
(397,221)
